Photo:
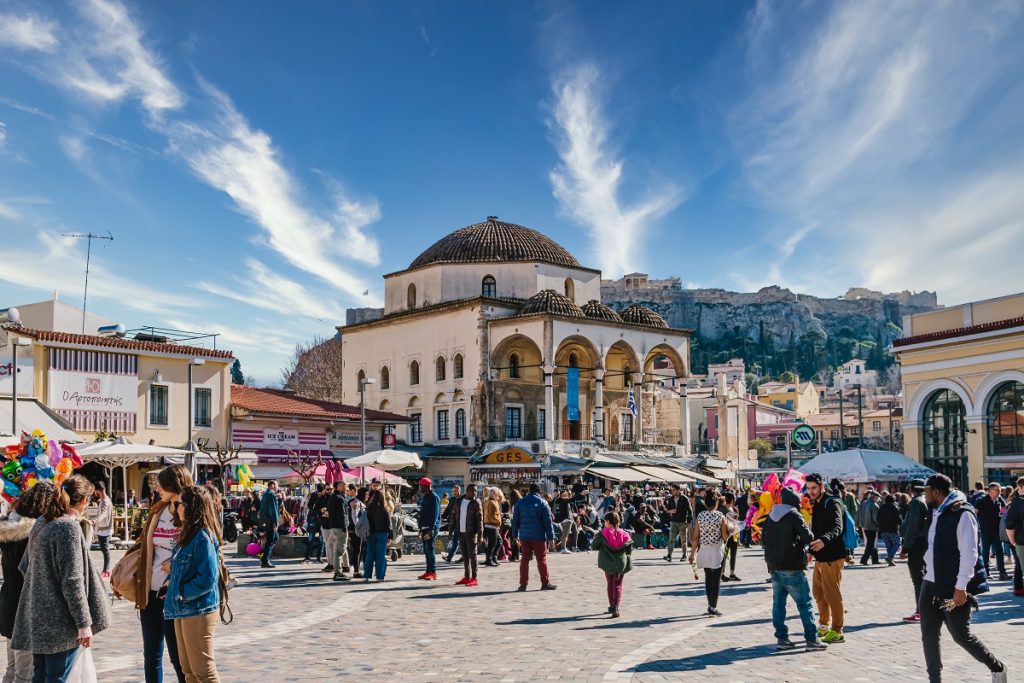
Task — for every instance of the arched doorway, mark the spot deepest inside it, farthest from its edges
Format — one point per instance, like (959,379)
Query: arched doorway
(944,427)
(576,359)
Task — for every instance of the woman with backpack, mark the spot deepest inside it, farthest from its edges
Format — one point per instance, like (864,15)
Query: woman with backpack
(62,603)
(193,587)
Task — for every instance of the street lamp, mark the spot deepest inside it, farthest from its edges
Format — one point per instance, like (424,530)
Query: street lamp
(16,343)
(190,459)
(362,421)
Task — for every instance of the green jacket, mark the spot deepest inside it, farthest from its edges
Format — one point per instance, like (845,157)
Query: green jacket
(612,560)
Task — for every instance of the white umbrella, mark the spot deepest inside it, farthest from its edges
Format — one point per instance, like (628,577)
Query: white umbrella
(862,465)
(387,459)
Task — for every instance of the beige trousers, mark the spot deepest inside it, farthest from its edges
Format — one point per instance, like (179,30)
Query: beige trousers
(195,647)
(828,577)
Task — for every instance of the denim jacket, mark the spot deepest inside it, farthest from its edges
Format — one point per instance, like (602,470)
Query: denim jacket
(193,587)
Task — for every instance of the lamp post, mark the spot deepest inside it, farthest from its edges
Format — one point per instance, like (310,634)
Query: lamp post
(860,417)
(16,343)
(191,446)
(362,422)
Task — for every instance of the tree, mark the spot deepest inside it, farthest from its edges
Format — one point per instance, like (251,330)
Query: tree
(314,370)
(304,464)
(762,446)
(237,377)
(223,456)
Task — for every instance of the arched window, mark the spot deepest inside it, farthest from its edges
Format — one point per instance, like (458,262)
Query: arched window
(411,296)
(573,360)
(570,289)
(489,287)
(414,373)
(439,369)
(944,426)
(460,423)
(457,366)
(1005,416)
(627,376)
(513,366)
(360,378)
(385,378)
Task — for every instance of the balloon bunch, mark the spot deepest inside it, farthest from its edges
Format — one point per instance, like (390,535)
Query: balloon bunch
(243,475)
(33,459)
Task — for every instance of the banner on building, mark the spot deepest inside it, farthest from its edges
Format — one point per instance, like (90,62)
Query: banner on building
(94,390)
(572,394)
(26,380)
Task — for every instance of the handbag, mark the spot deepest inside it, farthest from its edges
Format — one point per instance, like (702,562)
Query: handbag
(122,578)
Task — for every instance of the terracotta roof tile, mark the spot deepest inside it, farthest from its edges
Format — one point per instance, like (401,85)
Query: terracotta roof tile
(960,332)
(596,310)
(286,403)
(123,343)
(550,301)
(641,315)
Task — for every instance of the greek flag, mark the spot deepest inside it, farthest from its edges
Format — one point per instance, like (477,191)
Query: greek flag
(632,402)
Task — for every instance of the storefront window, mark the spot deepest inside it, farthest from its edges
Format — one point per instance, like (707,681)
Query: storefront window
(1006,420)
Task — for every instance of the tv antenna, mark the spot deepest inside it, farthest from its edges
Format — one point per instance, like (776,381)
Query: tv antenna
(89,237)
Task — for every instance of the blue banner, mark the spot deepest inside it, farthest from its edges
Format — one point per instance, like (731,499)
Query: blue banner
(572,394)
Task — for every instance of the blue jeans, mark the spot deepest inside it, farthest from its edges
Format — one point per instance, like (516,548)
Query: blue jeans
(376,554)
(992,545)
(155,631)
(429,553)
(891,540)
(271,536)
(314,538)
(53,668)
(794,583)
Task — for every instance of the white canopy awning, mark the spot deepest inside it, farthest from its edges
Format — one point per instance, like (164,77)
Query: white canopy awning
(122,452)
(387,459)
(33,414)
(665,474)
(620,474)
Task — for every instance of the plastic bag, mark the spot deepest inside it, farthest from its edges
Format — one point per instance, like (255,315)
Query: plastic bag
(83,670)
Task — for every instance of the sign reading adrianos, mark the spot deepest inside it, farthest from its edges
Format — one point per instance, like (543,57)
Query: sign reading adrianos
(804,436)
(509,456)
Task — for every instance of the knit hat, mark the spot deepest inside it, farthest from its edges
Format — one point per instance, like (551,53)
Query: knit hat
(789,497)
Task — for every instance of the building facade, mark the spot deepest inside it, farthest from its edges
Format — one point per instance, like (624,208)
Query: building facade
(963,389)
(497,333)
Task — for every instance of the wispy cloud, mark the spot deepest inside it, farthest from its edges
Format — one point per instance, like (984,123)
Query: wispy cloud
(587,182)
(870,119)
(28,32)
(3,135)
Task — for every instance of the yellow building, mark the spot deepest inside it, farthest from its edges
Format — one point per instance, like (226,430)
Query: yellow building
(963,388)
(801,398)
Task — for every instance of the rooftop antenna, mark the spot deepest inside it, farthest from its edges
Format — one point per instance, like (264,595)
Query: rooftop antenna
(88,257)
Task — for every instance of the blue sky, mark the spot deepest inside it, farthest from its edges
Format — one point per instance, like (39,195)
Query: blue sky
(261,165)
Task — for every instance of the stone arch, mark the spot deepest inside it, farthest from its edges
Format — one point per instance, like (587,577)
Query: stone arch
(440,369)
(528,353)
(459,396)
(410,296)
(677,361)
(915,411)
(586,354)
(385,405)
(441,397)
(414,373)
(991,384)
(489,286)
(570,289)
(385,378)
(619,358)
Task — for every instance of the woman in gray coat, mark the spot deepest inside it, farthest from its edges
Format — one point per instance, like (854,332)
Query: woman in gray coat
(62,604)
(867,519)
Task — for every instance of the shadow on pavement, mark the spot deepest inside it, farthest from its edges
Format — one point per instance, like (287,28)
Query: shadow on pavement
(468,593)
(720,658)
(536,621)
(641,623)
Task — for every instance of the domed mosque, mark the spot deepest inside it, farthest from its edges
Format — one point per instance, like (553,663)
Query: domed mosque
(497,334)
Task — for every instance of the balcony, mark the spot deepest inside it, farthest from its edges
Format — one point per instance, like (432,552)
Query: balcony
(567,431)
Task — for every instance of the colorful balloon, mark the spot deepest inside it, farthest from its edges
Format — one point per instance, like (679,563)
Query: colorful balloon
(53,452)
(12,471)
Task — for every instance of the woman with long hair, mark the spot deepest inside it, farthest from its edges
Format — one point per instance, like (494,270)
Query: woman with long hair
(62,604)
(732,544)
(157,542)
(378,511)
(492,525)
(14,533)
(193,587)
(709,533)
(514,496)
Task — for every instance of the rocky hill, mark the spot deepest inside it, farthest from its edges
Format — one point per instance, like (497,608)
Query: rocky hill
(775,327)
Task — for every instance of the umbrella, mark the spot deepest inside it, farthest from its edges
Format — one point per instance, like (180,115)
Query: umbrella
(387,459)
(862,465)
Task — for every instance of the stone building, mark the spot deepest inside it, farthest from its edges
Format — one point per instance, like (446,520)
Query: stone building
(497,333)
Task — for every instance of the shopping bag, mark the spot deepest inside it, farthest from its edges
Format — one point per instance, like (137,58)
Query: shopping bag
(83,670)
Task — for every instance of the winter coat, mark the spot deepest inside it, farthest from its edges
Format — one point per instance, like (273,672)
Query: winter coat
(270,514)
(827,526)
(785,538)
(104,517)
(492,513)
(62,592)
(614,550)
(889,519)
(867,515)
(531,519)
(14,530)
(430,512)
(193,588)
(474,517)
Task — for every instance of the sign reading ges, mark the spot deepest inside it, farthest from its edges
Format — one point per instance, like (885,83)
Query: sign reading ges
(804,436)
(510,456)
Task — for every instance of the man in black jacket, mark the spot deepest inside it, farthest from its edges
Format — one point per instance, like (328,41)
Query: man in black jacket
(336,529)
(446,517)
(785,538)
(827,523)
(467,521)
(680,515)
(914,533)
(1015,532)
(989,506)
(315,505)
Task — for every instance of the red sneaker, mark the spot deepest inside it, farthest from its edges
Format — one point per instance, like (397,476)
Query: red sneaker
(650,547)
(462,582)
(913,618)
(430,576)
(471,583)
(424,576)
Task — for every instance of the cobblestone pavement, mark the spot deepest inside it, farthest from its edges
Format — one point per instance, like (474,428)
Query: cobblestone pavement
(292,622)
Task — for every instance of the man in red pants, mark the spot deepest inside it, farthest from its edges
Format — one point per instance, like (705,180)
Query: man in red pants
(532,525)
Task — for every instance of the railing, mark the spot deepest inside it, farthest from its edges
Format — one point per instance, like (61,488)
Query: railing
(573,431)
(515,432)
(662,436)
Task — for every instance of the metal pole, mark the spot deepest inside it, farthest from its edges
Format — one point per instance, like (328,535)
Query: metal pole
(190,458)
(14,390)
(85,294)
(842,436)
(860,419)
(890,425)
(362,428)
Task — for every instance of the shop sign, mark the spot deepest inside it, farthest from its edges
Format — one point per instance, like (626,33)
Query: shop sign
(26,377)
(96,391)
(505,474)
(510,456)
(350,440)
(281,437)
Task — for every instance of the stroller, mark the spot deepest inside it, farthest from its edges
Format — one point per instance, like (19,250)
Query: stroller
(230,524)
(397,541)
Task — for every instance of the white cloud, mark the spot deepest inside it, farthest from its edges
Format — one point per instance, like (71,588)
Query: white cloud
(3,135)
(588,180)
(28,32)
(858,126)
(263,288)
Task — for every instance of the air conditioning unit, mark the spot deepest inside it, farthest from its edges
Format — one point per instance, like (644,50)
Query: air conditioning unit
(535,448)
(587,452)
